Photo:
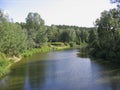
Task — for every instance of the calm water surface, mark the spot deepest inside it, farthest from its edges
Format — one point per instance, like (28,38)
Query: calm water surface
(61,70)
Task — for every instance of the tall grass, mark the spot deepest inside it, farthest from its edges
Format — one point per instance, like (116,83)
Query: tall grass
(36,50)
(4,65)
(46,48)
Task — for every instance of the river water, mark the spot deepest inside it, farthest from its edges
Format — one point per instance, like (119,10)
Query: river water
(61,70)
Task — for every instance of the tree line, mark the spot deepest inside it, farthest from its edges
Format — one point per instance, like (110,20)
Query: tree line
(16,38)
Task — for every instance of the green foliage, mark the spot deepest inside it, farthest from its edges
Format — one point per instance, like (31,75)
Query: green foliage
(93,38)
(84,36)
(84,52)
(12,38)
(105,42)
(4,64)
(41,38)
(2,56)
(78,37)
(53,33)
(72,44)
(107,27)
(36,50)
(46,48)
(3,67)
(57,44)
(36,30)
(66,34)
(30,37)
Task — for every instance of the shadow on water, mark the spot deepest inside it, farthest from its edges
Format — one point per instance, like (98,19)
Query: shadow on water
(83,53)
(24,75)
(110,74)
(109,71)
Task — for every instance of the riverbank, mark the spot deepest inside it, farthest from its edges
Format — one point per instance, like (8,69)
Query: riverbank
(99,55)
(46,48)
(7,62)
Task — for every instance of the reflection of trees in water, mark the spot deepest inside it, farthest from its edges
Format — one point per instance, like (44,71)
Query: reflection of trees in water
(109,74)
(36,74)
(83,53)
(24,75)
(31,75)
(15,80)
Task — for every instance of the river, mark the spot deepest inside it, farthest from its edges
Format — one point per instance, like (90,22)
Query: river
(61,70)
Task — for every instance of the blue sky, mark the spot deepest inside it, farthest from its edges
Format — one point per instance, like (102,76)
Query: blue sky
(69,12)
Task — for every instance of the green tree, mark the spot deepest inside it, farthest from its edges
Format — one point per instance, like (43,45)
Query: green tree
(93,38)
(108,24)
(13,40)
(53,33)
(78,36)
(68,35)
(84,36)
(108,34)
(36,29)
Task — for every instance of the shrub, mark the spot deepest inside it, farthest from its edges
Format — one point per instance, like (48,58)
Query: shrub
(72,44)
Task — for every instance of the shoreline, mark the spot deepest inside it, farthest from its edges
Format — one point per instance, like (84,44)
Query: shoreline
(28,53)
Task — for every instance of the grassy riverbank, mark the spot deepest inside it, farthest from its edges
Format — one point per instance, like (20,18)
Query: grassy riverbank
(6,62)
(46,48)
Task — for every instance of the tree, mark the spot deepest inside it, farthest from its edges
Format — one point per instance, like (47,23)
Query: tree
(53,33)
(35,28)
(13,40)
(108,35)
(78,36)
(68,35)
(108,24)
(65,36)
(84,36)
(93,38)
(41,36)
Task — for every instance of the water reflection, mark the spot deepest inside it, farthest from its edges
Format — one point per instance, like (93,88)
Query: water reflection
(35,74)
(62,70)
(109,75)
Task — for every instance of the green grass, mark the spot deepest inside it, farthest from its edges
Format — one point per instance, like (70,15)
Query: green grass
(3,67)
(54,46)
(58,44)
(4,64)
(36,50)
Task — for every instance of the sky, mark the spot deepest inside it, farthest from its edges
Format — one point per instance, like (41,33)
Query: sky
(69,12)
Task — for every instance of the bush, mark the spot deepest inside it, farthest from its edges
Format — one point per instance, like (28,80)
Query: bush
(2,56)
(72,44)
(4,63)
(66,44)
(57,44)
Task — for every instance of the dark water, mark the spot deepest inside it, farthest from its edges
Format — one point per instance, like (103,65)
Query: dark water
(61,70)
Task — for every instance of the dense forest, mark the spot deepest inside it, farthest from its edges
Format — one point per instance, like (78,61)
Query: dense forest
(16,38)
(104,41)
